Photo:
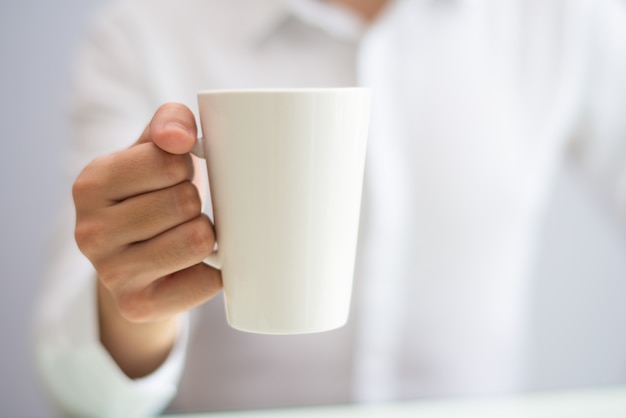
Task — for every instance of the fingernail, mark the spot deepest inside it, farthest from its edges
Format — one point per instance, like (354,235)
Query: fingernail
(177,126)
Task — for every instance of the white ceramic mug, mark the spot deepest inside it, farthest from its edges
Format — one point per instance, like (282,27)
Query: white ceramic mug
(285,172)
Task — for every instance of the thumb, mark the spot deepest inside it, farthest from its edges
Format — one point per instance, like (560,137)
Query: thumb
(172,128)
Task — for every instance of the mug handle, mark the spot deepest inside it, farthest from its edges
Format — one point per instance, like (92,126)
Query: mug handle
(214,259)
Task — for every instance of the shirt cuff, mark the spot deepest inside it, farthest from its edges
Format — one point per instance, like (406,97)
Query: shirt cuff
(84,379)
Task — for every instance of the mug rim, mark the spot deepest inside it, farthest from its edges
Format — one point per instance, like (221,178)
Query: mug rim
(281,90)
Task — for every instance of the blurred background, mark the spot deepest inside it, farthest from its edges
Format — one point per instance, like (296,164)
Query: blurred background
(579,314)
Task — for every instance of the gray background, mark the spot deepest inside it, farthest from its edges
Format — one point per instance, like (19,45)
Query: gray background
(579,316)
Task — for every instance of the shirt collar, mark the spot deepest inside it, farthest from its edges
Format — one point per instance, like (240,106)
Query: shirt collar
(267,16)
(327,16)
(333,19)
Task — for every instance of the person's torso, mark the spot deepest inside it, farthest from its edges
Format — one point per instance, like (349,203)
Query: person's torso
(473,104)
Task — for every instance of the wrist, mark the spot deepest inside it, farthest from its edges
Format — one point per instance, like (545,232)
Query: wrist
(138,348)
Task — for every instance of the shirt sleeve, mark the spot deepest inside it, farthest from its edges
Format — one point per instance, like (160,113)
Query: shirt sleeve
(111,103)
(77,371)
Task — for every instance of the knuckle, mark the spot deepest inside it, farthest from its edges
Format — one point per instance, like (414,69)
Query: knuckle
(90,235)
(133,307)
(87,182)
(188,200)
(79,188)
(201,237)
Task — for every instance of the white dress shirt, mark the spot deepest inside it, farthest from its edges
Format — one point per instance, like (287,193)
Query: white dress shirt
(476,103)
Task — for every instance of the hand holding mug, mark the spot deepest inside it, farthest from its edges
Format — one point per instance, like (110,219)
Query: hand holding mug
(286,172)
(139,221)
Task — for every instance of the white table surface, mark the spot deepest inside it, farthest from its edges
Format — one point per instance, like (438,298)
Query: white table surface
(591,403)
